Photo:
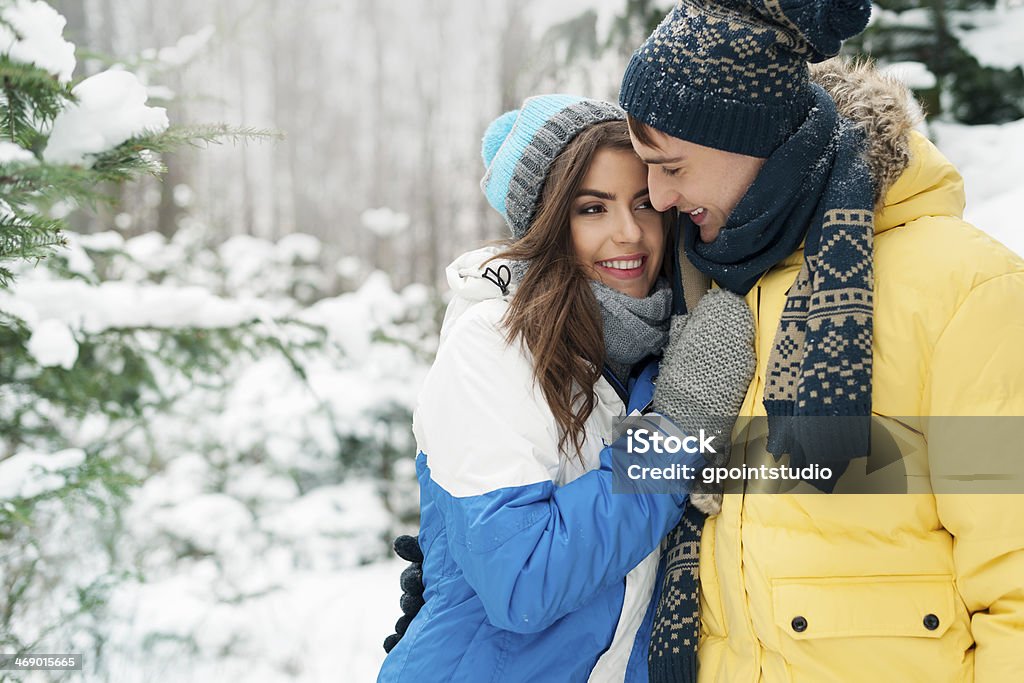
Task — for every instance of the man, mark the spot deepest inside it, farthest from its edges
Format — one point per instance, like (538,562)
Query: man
(842,228)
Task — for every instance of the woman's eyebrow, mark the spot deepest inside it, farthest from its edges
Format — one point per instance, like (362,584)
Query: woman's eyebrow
(596,193)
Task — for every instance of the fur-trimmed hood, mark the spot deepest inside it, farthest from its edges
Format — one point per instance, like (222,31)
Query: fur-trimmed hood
(881,105)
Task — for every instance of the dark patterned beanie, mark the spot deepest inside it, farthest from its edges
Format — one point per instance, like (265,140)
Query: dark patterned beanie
(732,74)
(520,145)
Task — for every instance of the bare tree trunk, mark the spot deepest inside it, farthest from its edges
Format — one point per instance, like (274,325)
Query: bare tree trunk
(168,211)
(378,161)
(77,28)
(432,190)
(248,224)
(280,168)
(514,48)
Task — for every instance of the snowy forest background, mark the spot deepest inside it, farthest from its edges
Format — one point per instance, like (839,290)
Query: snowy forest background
(206,391)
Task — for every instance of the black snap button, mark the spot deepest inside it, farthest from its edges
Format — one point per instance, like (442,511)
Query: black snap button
(799,624)
(931,622)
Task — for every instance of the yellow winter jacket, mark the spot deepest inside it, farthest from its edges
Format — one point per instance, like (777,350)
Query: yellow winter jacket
(869,587)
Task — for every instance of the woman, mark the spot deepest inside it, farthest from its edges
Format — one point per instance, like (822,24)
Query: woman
(533,570)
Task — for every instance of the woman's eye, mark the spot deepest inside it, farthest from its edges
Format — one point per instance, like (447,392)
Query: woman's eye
(591,209)
(671,172)
(645,205)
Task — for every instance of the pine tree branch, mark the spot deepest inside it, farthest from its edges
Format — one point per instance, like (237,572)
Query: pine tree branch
(31,98)
(27,184)
(27,236)
(128,160)
(197,136)
(137,155)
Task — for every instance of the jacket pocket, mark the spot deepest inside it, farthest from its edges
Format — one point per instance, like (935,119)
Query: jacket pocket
(917,606)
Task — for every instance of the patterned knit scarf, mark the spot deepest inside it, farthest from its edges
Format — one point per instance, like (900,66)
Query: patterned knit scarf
(672,654)
(814,188)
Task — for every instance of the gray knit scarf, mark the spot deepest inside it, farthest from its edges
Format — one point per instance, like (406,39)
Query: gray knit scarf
(634,328)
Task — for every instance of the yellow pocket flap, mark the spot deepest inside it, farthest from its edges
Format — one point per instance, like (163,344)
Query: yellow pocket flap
(836,607)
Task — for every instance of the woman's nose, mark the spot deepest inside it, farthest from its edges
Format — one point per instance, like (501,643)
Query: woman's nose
(629,229)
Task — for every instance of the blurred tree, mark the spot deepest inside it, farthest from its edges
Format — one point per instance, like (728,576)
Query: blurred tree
(114,375)
(589,55)
(965,90)
(638,20)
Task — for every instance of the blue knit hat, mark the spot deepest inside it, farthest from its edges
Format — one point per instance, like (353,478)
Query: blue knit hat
(732,74)
(520,145)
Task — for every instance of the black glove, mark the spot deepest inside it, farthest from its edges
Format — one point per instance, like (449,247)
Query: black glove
(408,548)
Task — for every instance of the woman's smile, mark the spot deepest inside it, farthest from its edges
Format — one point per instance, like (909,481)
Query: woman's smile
(626,267)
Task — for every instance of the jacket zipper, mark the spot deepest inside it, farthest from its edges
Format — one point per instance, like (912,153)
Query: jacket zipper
(757,379)
(616,385)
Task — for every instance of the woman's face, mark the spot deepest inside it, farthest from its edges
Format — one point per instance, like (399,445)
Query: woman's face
(617,235)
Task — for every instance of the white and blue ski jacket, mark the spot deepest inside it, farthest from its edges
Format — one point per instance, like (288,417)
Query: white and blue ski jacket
(533,570)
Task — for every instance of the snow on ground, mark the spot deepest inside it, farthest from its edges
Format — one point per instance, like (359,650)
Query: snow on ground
(321,626)
(317,624)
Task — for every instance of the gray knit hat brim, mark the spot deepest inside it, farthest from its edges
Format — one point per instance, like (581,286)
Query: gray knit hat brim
(521,158)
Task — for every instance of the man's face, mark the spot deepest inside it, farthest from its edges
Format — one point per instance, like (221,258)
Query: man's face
(704,182)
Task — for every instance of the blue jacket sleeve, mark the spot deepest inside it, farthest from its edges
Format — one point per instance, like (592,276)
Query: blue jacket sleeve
(534,553)
(531,550)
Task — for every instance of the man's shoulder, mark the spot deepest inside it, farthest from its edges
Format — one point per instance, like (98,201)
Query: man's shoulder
(929,270)
(943,252)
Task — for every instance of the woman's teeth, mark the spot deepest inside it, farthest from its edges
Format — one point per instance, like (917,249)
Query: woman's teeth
(622,265)
(697,212)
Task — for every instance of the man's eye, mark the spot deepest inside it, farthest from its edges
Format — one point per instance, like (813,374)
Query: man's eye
(671,172)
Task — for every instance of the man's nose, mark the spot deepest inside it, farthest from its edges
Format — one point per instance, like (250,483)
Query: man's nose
(663,197)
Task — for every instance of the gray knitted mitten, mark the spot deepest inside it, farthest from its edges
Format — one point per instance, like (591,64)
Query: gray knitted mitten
(705,370)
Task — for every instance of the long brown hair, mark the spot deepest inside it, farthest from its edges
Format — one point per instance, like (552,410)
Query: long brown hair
(554,312)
